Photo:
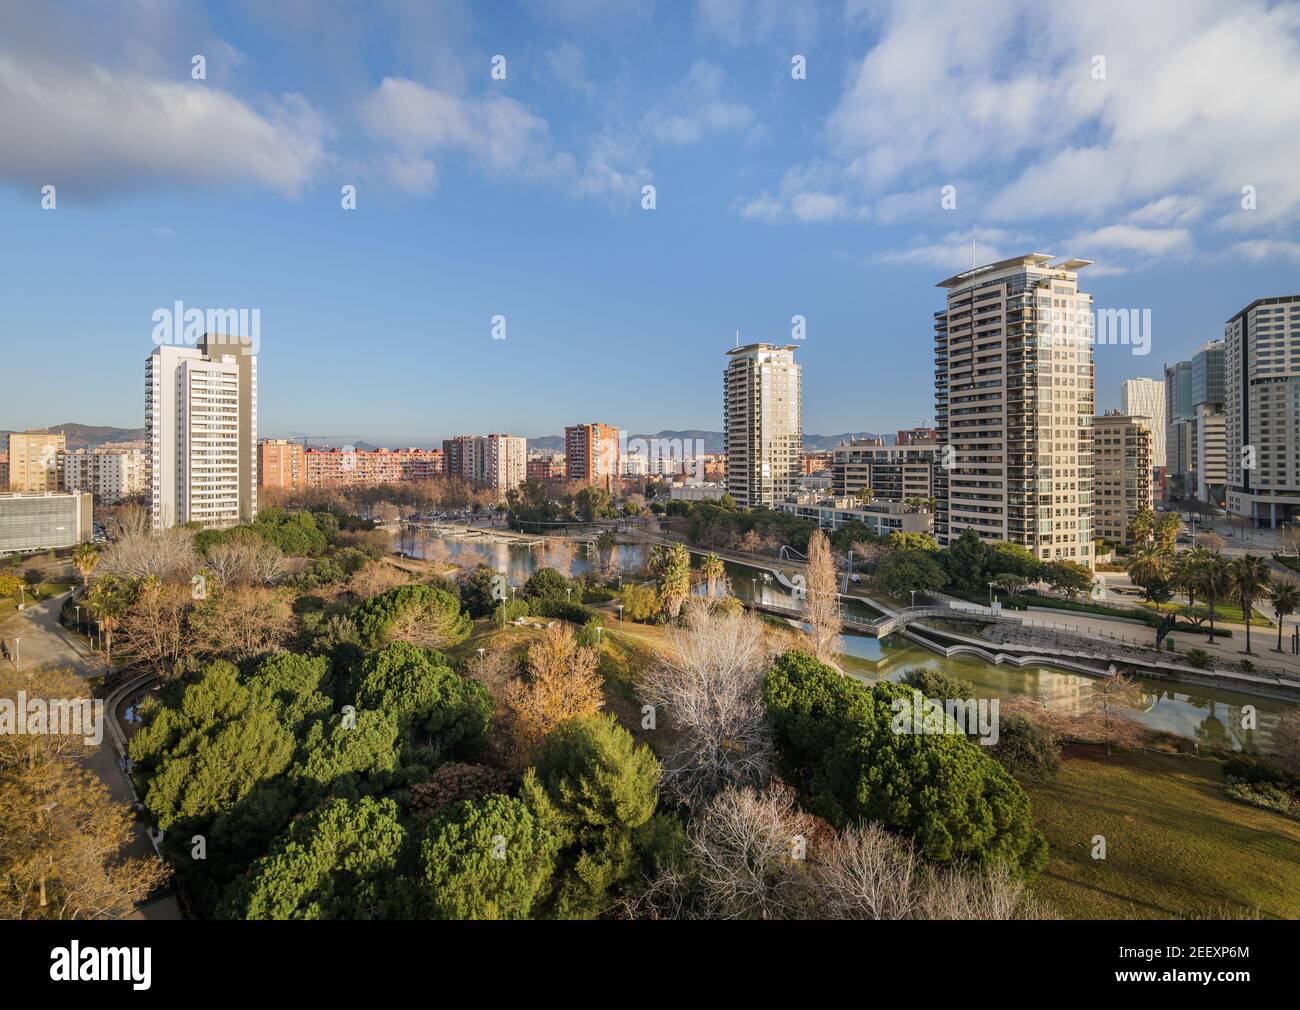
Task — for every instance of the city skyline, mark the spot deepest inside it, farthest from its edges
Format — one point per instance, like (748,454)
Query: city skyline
(776,198)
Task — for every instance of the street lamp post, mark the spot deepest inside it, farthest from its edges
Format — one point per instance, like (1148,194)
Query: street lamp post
(913,597)
(991,585)
(620,613)
(78,609)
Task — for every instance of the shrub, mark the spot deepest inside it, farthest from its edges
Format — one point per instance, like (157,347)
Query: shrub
(838,745)
(640,603)
(575,612)
(419,614)
(1026,749)
(1199,658)
(509,610)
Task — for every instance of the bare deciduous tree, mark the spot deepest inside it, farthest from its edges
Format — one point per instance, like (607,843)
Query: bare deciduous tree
(242,623)
(710,686)
(167,554)
(822,606)
(376,577)
(748,851)
(870,874)
(154,630)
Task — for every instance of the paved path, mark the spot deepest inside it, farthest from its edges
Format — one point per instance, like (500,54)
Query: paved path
(46,643)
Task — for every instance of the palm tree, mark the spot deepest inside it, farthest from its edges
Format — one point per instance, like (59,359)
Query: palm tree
(1286,600)
(1141,527)
(84,559)
(657,559)
(864,495)
(713,570)
(1250,576)
(108,601)
(1147,565)
(1183,573)
(605,544)
(675,580)
(1214,579)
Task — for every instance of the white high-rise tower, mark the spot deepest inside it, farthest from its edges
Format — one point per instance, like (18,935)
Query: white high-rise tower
(1146,398)
(201,416)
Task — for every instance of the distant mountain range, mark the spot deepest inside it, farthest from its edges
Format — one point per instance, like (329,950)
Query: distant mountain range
(88,436)
(713,441)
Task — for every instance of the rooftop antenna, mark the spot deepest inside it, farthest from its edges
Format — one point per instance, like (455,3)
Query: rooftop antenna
(972,249)
(737,338)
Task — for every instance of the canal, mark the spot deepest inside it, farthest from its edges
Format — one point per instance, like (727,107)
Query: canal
(1210,716)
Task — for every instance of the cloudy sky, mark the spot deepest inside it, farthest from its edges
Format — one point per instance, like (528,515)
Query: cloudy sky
(1160,140)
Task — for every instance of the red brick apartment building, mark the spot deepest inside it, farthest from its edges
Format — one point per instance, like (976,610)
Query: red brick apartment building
(282,464)
(546,467)
(342,468)
(591,453)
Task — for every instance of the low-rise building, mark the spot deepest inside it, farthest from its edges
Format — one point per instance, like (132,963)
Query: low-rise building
(546,467)
(880,517)
(697,492)
(43,520)
(894,472)
(109,474)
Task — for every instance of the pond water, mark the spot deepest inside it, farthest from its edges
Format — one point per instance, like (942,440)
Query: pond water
(1208,715)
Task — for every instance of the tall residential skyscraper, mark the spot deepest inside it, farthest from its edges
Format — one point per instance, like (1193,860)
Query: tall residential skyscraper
(497,462)
(591,453)
(201,416)
(1013,407)
(1262,410)
(762,423)
(1194,392)
(505,462)
(1146,398)
(36,460)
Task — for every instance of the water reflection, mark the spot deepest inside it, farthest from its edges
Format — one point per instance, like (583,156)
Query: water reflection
(1211,717)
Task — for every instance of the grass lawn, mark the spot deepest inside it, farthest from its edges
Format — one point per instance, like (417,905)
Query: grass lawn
(1176,846)
(9,604)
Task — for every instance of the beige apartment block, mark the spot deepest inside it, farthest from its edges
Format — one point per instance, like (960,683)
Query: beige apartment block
(762,424)
(1262,411)
(35,462)
(1123,448)
(892,472)
(1014,402)
(109,474)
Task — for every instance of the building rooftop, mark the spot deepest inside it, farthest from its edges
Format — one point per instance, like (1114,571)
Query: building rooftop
(1028,260)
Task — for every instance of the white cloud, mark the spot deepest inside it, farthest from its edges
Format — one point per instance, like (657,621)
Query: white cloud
(953,252)
(1257,250)
(740,22)
(698,107)
(568,65)
(1129,238)
(1198,100)
(422,123)
(89,130)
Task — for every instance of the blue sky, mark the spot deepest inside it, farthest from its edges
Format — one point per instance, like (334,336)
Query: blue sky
(522,197)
